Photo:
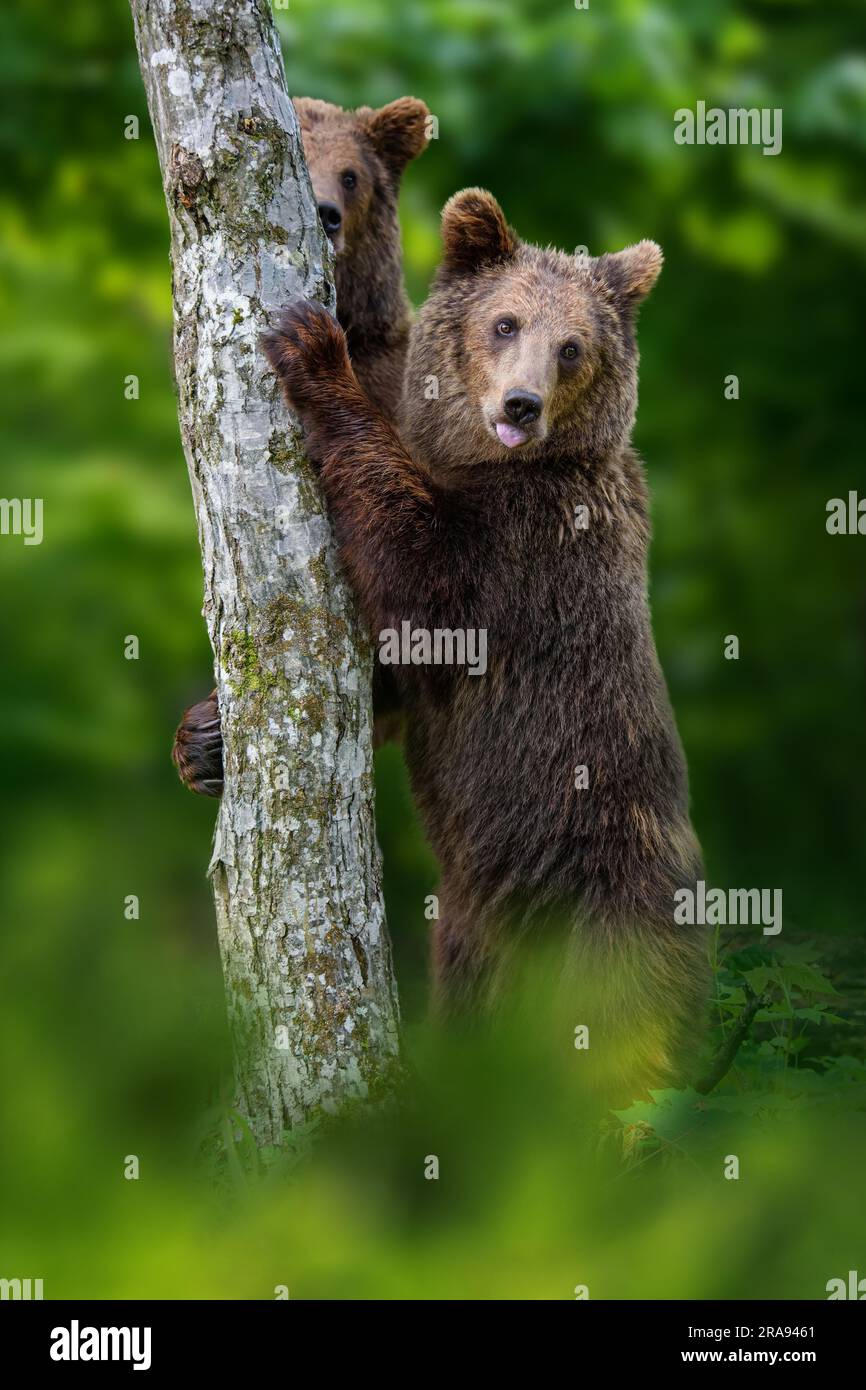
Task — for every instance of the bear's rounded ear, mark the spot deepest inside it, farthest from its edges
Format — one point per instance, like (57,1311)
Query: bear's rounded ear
(475,232)
(632,273)
(398,132)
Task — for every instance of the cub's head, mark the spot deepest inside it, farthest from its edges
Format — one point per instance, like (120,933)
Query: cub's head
(533,350)
(356,160)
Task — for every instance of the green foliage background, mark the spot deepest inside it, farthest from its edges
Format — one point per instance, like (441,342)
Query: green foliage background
(112,1036)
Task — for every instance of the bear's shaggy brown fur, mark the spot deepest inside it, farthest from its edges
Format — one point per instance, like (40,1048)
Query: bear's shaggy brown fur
(356,161)
(515,503)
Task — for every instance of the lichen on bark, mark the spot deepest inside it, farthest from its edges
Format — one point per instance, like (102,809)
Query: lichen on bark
(295,867)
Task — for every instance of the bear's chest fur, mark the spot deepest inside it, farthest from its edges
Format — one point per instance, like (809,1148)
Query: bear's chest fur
(568,692)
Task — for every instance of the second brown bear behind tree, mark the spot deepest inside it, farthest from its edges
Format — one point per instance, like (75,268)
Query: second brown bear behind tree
(356,161)
(554,786)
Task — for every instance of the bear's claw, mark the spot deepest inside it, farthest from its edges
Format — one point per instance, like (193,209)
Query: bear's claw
(306,348)
(198,748)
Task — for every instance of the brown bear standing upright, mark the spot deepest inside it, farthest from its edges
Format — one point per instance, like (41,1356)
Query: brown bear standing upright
(356,161)
(553,786)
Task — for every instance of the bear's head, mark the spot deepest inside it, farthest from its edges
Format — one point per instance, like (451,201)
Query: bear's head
(356,161)
(532,351)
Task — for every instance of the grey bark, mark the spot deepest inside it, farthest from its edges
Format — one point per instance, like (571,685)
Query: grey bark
(295,868)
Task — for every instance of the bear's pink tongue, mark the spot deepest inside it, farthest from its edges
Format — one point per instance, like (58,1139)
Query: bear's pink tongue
(510,435)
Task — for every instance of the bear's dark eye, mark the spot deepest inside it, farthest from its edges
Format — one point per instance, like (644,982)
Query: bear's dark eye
(349,179)
(505,327)
(569,351)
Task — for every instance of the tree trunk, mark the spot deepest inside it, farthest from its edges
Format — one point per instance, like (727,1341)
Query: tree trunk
(295,869)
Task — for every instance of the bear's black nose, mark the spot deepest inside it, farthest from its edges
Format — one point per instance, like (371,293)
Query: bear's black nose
(331,217)
(522,407)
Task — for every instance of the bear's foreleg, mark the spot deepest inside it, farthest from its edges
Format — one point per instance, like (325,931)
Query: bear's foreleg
(386,510)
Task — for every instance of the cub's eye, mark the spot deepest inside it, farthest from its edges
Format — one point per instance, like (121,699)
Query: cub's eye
(505,327)
(349,179)
(570,351)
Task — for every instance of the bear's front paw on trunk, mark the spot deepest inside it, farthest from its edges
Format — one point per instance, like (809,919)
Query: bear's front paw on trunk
(198,748)
(307,349)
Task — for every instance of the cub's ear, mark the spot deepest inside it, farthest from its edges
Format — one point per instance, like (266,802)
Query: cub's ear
(398,132)
(475,232)
(632,273)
